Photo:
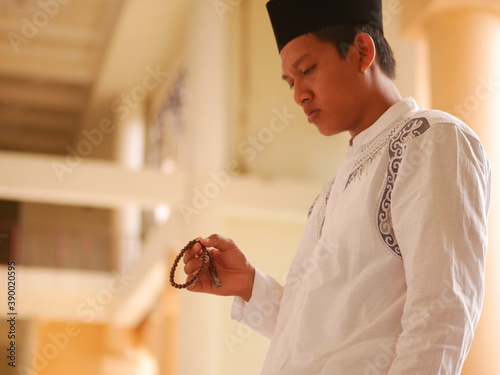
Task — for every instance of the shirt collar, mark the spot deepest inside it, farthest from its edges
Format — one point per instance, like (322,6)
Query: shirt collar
(395,112)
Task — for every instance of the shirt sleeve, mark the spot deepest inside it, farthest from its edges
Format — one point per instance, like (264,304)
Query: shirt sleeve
(440,205)
(261,312)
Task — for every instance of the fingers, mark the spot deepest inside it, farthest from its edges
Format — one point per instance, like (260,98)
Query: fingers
(192,266)
(219,242)
(192,253)
(193,259)
(192,271)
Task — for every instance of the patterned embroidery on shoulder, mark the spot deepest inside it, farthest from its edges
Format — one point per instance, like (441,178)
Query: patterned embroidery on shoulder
(371,150)
(396,149)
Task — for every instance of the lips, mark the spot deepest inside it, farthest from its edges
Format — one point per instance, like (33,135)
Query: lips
(312,114)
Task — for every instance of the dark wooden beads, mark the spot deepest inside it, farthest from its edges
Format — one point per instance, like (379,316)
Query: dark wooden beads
(206,258)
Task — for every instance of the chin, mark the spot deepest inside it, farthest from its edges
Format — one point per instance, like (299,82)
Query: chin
(328,128)
(326,131)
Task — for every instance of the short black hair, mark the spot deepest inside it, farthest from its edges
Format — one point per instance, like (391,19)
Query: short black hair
(342,36)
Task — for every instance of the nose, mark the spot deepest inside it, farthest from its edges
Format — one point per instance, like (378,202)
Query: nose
(301,94)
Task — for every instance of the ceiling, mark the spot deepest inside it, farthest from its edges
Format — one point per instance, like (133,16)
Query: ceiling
(63,61)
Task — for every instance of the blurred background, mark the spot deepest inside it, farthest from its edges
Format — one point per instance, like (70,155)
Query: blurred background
(130,127)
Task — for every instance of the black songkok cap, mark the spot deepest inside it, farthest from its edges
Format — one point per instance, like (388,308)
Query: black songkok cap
(293,18)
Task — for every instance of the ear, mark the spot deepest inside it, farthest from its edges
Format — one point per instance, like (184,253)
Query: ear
(365,46)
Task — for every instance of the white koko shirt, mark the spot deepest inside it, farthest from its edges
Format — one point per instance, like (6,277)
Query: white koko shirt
(388,277)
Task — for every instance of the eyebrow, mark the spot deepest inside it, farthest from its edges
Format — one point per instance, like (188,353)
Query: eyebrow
(296,64)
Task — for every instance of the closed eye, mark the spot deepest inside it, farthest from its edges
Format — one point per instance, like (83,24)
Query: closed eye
(309,71)
(289,81)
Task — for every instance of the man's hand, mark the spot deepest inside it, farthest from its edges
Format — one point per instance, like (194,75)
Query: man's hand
(233,269)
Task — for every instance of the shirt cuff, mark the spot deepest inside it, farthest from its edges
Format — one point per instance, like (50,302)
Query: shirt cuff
(261,311)
(239,304)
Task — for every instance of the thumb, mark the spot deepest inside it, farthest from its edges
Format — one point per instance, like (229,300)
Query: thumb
(218,242)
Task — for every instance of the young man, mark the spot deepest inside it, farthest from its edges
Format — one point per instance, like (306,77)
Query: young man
(388,278)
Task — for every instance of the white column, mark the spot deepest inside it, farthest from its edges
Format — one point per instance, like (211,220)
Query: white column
(199,330)
(129,151)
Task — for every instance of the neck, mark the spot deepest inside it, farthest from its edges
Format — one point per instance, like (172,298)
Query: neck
(382,95)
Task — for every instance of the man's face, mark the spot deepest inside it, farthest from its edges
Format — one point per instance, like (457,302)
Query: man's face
(328,88)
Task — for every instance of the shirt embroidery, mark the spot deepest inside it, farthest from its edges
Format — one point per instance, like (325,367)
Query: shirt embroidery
(371,150)
(322,208)
(396,149)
